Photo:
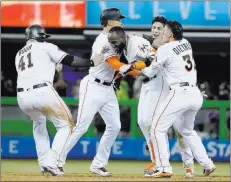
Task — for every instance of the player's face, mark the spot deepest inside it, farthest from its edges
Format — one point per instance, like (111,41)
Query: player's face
(166,35)
(117,42)
(115,23)
(157,29)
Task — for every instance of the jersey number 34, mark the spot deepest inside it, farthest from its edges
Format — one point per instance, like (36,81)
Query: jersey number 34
(22,64)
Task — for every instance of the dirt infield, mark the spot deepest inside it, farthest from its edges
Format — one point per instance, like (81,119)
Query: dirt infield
(78,170)
(91,177)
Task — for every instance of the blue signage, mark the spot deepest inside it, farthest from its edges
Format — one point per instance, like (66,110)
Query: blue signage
(123,148)
(196,14)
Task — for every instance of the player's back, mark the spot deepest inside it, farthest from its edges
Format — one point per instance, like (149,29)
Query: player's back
(34,64)
(101,51)
(180,65)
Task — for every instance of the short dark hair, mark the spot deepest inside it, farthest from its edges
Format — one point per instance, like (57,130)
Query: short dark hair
(176,29)
(118,30)
(159,19)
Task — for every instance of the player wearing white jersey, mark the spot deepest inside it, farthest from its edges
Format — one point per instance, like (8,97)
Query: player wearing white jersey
(96,94)
(35,64)
(158,24)
(154,89)
(175,58)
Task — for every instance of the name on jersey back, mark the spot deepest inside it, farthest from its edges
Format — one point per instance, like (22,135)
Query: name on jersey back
(25,49)
(182,48)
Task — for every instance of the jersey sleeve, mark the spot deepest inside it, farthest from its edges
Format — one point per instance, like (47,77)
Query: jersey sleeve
(101,52)
(107,51)
(144,49)
(54,52)
(161,55)
(157,64)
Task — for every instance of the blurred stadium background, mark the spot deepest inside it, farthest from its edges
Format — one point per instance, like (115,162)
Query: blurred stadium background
(74,26)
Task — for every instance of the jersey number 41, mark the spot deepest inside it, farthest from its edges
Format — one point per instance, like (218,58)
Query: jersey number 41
(22,64)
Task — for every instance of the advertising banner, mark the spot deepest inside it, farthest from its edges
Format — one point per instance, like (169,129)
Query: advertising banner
(47,13)
(191,14)
(123,148)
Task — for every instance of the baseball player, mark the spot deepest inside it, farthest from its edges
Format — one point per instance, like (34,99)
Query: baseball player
(154,89)
(35,64)
(151,95)
(96,94)
(180,107)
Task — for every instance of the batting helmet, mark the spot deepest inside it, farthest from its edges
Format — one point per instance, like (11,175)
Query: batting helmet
(110,14)
(36,32)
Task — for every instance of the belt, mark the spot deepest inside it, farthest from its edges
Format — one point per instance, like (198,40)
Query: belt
(183,84)
(147,79)
(34,87)
(103,83)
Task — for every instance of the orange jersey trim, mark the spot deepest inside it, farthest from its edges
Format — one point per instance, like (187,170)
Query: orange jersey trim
(114,62)
(134,72)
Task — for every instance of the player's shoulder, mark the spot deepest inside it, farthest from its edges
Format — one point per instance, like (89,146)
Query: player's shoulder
(20,51)
(177,42)
(138,40)
(164,47)
(185,41)
(48,45)
(101,39)
(101,43)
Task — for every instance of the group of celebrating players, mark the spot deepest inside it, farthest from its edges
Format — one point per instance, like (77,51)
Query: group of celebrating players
(169,95)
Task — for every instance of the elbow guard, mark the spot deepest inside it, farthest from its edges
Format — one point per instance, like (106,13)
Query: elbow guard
(67,60)
(75,61)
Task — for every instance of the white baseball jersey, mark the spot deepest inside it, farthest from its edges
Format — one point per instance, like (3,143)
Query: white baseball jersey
(100,98)
(137,49)
(102,50)
(176,60)
(35,63)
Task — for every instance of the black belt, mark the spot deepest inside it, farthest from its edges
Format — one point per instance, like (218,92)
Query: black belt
(183,84)
(34,87)
(147,79)
(104,83)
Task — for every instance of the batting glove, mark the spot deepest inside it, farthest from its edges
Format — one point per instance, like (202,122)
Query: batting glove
(125,69)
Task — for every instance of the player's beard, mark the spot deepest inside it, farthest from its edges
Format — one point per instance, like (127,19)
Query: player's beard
(120,48)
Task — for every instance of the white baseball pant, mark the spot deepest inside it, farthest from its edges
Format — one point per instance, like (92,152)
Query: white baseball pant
(152,95)
(42,103)
(180,109)
(95,97)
